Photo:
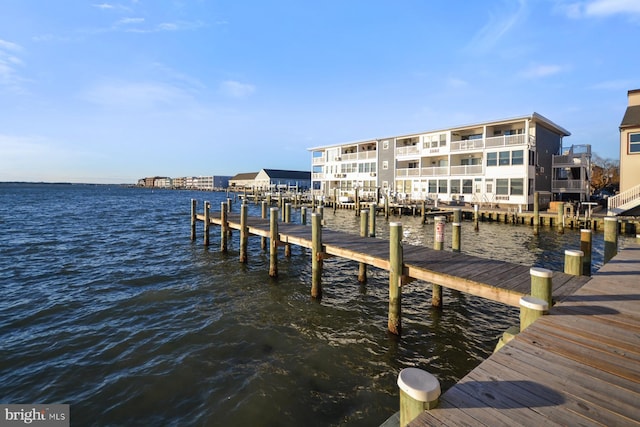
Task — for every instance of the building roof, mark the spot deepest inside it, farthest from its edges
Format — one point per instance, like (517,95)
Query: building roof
(286,174)
(538,118)
(631,117)
(244,176)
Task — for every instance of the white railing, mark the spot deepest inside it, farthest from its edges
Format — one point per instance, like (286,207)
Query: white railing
(624,201)
(318,160)
(349,156)
(471,144)
(366,155)
(502,141)
(408,172)
(466,170)
(408,150)
(317,175)
(435,171)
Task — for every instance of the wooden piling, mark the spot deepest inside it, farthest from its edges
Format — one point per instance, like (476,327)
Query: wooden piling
(224,226)
(357,202)
(244,232)
(316,255)
(531,309)
(542,284)
(438,244)
(476,218)
(207,223)
(386,207)
(335,199)
(287,219)
(610,238)
(573,262)
(364,226)
(560,216)
(372,220)
(455,237)
(424,211)
(273,243)
(586,239)
(395,277)
(457,215)
(536,213)
(303,215)
(193,219)
(419,391)
(263,240)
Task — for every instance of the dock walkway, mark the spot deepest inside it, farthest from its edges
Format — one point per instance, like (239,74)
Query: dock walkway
(578,366)
(495,280)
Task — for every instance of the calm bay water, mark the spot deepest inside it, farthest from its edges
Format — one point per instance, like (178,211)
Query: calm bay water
(108,306)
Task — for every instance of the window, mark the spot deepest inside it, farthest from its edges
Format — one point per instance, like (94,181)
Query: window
(442,186)
(517,187)
(502,186)
(385,145)
(634,143)
(492,159)
(467,186)
(532,158)
(517,157)
(432,185)
(455,186)
(385,165)
(489,186)
(504,158)
(443,139)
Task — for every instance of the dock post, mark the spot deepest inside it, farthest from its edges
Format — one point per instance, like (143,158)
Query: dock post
(224,227)
(586,239)
(193,219)
(610,238)
(396,263)
(335,199)
(424,211)
(273,243)
(541,284)
(316,255)
(560,220)
(321,213)
(372,219)
(438,244)
(455,236)
(263,240)
(244,231)
(573,262)
(303,215)
(419,391)
(531,308)
(457,215)
(207,223)
(287,219)
(386,207)
(364,226)
(476,217)
(229,204)
(357,201)
(536,213)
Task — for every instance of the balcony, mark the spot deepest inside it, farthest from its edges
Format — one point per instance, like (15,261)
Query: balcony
(466,170)
(318,160)
(569,186)
(408,172)
(435,171)
(410,150)
(492,141)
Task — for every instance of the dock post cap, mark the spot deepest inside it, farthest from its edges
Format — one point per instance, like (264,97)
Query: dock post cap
(585,230)
(419,385)
(573,252)
(540,272)
(534,303)
(610,218)
(395,224)
(456,224)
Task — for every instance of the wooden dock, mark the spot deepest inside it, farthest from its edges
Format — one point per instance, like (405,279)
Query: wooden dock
(495,280)
(578,366)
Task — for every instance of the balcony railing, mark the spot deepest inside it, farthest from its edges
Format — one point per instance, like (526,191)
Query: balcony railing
(408,172)
(570,161)
(435,171)
(569,186)
(492,141)
(408,150)
(471,144)
(466,170)
(318,160)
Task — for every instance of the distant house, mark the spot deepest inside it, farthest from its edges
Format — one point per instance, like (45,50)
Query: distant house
(628,200)
(272,180)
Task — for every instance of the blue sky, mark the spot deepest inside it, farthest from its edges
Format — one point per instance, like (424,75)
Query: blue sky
(109,92)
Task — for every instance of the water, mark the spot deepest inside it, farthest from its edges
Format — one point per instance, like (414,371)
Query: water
(108,306)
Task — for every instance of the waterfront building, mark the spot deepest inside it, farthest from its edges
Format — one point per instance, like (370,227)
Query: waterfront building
(628,200)
(502,162)
(272,180)
(163,182)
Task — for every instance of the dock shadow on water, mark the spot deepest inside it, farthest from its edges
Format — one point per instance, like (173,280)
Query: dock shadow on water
(109,307)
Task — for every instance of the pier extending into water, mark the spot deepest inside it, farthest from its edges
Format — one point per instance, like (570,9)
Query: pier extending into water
(495,280)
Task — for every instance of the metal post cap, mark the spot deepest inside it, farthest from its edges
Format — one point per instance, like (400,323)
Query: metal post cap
(419,385)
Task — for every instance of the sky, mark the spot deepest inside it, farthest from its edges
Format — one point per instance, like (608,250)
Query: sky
(110,92)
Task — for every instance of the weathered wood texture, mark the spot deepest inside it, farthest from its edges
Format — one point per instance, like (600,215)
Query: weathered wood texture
(579,366)
(491,279)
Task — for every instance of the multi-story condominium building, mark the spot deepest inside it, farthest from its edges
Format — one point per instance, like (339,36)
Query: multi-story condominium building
(499,162)
(163,182)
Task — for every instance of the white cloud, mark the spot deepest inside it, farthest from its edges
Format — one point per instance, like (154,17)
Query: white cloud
(136,95)
(456,83)
(5,45)
(127,21)
(600,8)
(236,89)
(538,71)
(103,6)
(499,25)
(612,7)
(614,85)
(9,62)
